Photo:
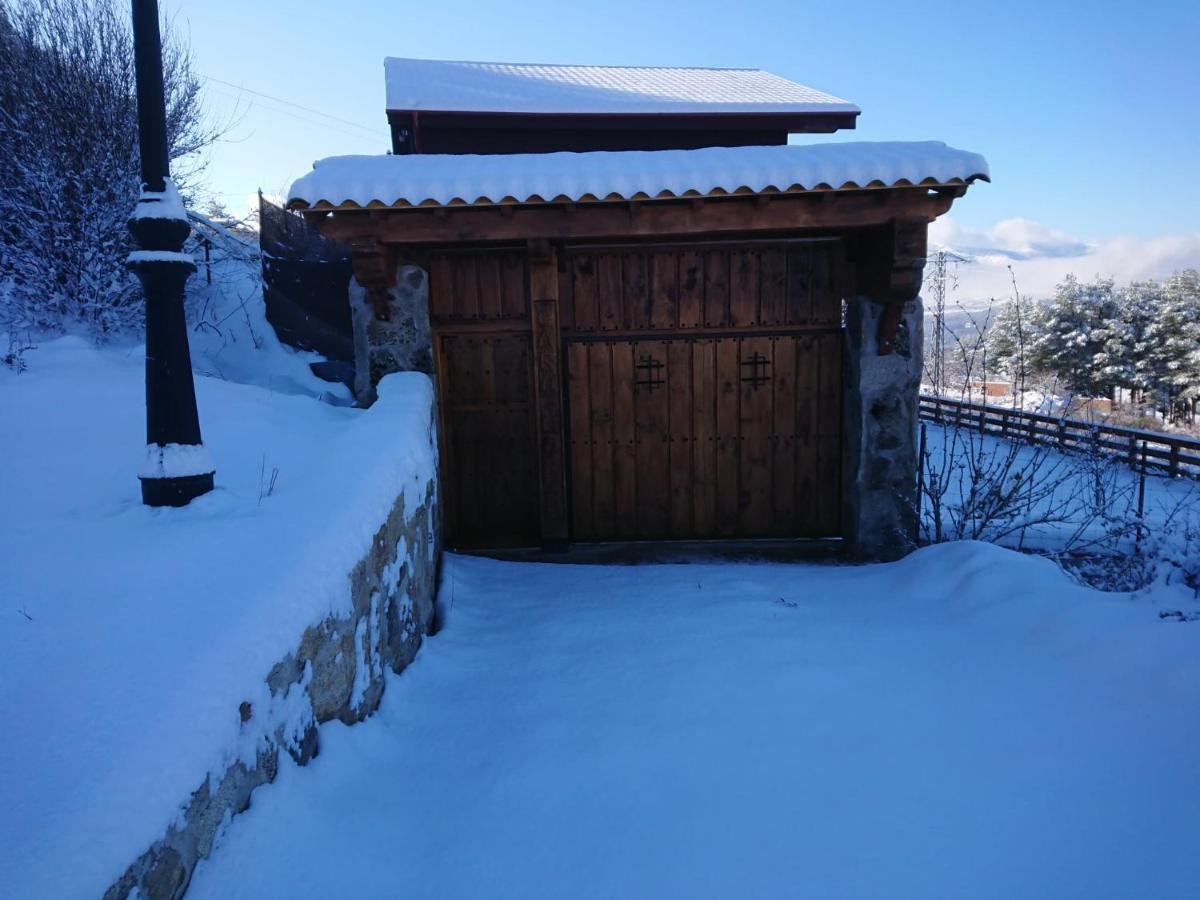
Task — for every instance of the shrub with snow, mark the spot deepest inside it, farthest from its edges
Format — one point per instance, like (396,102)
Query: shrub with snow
(69,162)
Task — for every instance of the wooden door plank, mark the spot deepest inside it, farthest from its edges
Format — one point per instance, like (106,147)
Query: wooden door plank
(447,460)
(516,301)
(799,286)
(691,289)
(743,288)
(829,434)
(583,302)
(807,451)
(664,289)
(773,287)
(466,286)
(491,287)
(783,438)
(625,497)
(679,442)
(754,427)
(600,402)
(826,298)
(441,287)
(548,393)
(579,434)
(704,443)
(716,288)
(727,436)
(653,480)
(635,291)
(608,292)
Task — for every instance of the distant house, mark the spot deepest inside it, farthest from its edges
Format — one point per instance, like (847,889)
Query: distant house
(682,329)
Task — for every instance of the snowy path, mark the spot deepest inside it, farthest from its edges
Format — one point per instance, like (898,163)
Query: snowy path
(747,730)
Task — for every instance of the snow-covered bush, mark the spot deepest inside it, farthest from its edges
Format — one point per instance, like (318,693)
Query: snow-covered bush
(1112,527)
(69,161)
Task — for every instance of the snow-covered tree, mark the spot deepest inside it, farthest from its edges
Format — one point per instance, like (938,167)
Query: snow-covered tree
(69,161)
(1072,335)
(1010,339)
(1174,341)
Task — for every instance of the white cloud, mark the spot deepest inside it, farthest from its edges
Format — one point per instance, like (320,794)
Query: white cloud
(1041,257)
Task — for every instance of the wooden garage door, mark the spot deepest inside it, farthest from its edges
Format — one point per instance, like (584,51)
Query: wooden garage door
(703,391)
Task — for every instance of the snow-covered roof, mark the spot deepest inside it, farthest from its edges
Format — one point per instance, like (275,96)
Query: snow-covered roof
(436,180)
(427,84)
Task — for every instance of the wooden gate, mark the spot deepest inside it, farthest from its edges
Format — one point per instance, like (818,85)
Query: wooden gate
(703,390)
(701,385)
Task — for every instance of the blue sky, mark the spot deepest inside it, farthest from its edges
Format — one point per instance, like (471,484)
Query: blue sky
(1087,112)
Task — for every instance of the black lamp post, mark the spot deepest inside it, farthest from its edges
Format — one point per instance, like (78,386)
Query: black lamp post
(178,467)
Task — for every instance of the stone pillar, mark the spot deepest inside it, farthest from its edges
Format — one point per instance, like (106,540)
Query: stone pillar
(401,342)
(880,431)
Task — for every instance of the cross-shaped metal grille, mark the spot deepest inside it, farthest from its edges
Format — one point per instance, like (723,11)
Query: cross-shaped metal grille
(757,366)
(650,373)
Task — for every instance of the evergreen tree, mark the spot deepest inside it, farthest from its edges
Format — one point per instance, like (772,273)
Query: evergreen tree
(1072,334)
(1174,347)
(1010,339)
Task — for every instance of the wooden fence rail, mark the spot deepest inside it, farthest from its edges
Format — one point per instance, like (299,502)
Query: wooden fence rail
(1150,451)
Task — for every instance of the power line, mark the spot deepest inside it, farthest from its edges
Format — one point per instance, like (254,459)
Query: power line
(300,118)
(375,132)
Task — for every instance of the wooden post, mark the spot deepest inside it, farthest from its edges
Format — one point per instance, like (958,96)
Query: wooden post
(548,393)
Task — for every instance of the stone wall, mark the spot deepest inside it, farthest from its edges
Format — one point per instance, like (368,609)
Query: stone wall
(401,343)
(337,671)
(880,423)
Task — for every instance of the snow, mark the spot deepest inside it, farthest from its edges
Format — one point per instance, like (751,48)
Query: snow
(176,461)
(1074,480)
(164,204)
(231,338)
(129,635)
(964,723)
(536,177)
(463,86)
(160,256)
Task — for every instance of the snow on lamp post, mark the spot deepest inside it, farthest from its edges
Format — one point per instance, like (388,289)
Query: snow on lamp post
(177,467)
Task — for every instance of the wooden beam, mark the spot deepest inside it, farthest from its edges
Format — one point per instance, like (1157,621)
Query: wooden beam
(548,393)
(814,210)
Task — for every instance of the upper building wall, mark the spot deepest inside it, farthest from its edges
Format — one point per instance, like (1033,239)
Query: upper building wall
(473,107)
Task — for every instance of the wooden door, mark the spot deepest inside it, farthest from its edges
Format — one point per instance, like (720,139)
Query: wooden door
(703,391)
(484,356)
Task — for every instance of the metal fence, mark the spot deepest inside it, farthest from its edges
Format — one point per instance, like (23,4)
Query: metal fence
(1148,451)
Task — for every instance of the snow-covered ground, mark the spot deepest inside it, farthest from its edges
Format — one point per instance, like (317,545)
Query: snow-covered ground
(128,635)
(964,723)
(1064,514)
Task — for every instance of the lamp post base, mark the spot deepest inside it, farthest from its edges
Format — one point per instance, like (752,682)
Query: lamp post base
(178,491)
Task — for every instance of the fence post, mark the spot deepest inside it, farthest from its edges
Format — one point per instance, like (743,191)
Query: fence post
(1141,496)
(1133,452)
(920,481)
(1174,470)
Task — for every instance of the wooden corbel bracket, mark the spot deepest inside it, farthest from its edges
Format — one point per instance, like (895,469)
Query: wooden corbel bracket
(370,263)
(899,261)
